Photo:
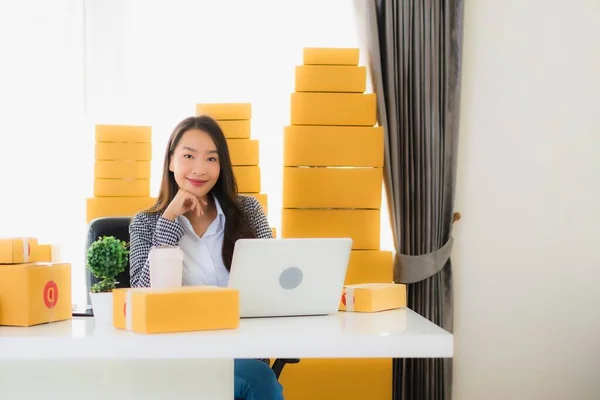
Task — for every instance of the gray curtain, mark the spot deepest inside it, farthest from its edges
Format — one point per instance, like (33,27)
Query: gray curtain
(413,50)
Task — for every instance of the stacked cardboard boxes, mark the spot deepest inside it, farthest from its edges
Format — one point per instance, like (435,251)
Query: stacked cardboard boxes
(332,185)
(121,171)
(235,121)
(32,290)
(26,250)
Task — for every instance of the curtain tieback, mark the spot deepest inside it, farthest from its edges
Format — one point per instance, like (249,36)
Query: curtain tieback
(411,269)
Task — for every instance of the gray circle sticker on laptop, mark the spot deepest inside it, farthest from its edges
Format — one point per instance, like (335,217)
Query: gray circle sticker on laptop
(291,278)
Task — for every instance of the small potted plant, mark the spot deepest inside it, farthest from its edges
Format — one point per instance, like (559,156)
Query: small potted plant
(106,258)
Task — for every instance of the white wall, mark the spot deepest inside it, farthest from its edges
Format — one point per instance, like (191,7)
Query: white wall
(526,256)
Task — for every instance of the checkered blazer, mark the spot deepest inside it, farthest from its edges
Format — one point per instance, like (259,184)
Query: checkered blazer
(148,230)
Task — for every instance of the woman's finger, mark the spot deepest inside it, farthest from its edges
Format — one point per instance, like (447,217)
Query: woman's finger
(187,202)
(199,211)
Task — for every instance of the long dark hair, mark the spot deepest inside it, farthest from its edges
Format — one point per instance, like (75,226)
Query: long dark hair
(225,189)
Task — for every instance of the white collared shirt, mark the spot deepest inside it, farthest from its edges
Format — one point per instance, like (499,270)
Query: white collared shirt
(202,256)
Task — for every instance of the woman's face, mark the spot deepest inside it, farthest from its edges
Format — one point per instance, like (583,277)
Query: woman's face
(195,163)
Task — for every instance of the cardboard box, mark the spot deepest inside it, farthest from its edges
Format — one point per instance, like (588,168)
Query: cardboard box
(333,109)
(243,151)
(360,225)
(116,206)
(247,178)
(225,111)
(44,253)
(123,133)
(18,250)
(121,187)
(235,129)
(122,169)
(370,266)
(339,378)
(333,146)
(331,78)
(123,151)
(47,253)
(332,187)
(330,56)
(373,297)
(184,309)
(35,293)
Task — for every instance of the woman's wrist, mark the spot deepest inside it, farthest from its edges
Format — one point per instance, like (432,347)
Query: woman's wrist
(168,215)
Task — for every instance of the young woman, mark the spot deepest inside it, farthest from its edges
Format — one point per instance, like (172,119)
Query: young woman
(199,210)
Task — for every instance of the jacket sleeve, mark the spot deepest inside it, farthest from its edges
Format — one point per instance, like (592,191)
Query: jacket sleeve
(143,235)
(258,219)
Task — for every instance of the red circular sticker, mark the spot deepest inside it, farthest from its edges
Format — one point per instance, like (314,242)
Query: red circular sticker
(50,294)
(344,299)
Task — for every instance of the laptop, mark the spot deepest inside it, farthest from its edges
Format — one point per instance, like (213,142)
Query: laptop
(289,277)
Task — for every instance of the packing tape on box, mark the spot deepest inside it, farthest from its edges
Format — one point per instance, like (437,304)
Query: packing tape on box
(25,250)
(54,293)
(349,299)
(128,319)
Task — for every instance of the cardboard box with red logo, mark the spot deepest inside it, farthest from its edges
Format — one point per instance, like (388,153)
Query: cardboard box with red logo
(35,293)
(183,309)
(373,297)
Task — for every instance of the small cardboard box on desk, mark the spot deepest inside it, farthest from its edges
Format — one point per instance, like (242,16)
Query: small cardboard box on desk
(34,293)
(26,250)
(180,309)
(373,297)
(18,250)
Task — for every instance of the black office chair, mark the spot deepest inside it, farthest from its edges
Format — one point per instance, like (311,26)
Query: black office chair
(119,228)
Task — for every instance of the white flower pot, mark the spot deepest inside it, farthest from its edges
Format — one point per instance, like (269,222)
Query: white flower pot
(102,305)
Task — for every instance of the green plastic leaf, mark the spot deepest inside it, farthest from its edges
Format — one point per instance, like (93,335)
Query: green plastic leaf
(107,257)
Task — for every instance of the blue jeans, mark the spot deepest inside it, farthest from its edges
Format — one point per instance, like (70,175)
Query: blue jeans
(255,380)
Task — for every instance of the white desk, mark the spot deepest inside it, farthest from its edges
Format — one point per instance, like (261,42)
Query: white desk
(75,357)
